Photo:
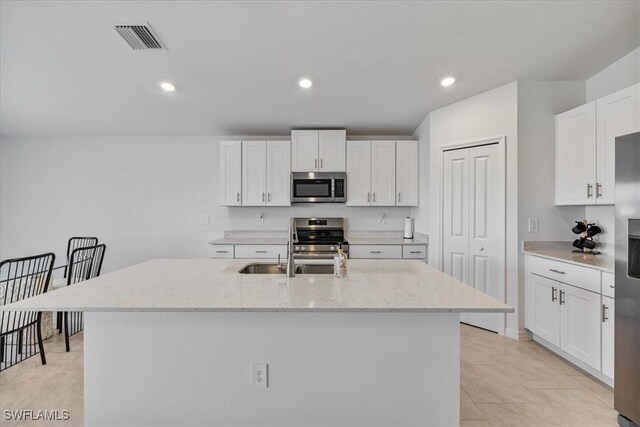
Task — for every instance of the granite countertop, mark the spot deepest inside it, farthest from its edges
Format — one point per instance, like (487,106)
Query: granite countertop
(354,238)
(562,251)
(216,285)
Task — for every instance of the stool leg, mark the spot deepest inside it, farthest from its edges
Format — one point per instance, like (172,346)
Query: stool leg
(66,331)
(43,358)
(20,341)
(1,349)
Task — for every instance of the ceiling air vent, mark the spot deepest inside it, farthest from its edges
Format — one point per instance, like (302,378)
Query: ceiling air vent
(139,36)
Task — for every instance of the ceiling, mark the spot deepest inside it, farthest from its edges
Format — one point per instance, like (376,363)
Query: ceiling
(376,66)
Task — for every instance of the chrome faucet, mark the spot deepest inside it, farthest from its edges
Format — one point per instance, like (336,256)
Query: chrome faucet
(291,265)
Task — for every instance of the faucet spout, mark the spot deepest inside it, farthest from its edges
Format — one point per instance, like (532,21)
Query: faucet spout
(291,265)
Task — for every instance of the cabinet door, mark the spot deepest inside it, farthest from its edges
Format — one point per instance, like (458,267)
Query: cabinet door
(304,151)
(407,173)
(576,156)
(608,335)
(230,173)
(254,174)
(332,150)
(617,114)
(279,173)
(383,173)
(358,173)
(543,309)
(580,324)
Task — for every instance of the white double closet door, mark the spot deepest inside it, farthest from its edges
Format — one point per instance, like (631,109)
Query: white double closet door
(474,224)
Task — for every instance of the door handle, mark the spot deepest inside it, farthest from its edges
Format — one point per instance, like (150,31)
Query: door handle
(604,313)
(598,190)
(556,271)
(554,296)
(589,187)
(562,297)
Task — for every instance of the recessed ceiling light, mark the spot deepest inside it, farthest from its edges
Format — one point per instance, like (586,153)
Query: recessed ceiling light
(305,83)
(448,81)
(169,87)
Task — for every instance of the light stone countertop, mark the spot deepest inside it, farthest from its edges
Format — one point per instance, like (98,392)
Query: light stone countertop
(216,285)
(385,241)
(354,238)
(246,240)
(562,251)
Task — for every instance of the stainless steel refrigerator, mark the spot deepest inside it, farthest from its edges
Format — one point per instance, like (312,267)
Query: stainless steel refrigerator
(627,288)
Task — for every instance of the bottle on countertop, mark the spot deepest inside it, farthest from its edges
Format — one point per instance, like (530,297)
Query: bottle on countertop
(340,263)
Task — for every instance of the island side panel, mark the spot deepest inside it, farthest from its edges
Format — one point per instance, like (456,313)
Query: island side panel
(330,369)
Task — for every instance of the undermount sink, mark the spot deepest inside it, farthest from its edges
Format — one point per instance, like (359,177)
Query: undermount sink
(259,268)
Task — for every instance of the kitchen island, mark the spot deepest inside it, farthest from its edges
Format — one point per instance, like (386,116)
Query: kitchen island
(173,342)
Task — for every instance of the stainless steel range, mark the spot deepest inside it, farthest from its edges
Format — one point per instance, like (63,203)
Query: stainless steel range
(318,238)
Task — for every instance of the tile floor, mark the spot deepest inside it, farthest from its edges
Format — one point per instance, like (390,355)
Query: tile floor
(503,383)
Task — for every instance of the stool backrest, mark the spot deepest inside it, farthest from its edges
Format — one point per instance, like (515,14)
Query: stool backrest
(85,263)
(78,242)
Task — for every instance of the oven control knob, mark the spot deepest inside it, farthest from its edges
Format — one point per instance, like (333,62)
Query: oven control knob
(332,248)
(304,248)
(297,248)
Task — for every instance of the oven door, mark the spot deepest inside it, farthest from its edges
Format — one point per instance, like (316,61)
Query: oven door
(311,188)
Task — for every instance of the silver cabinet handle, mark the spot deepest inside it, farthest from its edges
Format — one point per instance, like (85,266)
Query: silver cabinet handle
(612,286)
(598,190)
(375,252)
(399,197)
(321,163)
(554,296)
(556,271)
(589,187)
(415,252)
(261,252)
(374,196)
(263,197)
(237,197)
(315,164)
(268,197)
(222,252)
(562,297)
(368,197)
(604,313)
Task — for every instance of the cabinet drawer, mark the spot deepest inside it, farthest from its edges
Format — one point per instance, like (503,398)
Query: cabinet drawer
(375,251)
(608,284)
(261,251)
(581,277)
(221,251)
(414,251)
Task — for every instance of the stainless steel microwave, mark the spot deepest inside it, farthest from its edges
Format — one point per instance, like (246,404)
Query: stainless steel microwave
(318,187)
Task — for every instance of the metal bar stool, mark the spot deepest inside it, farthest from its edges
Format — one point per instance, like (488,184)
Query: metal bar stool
(22,278)
(84,264)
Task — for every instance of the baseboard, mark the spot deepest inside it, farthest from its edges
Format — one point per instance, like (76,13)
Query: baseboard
(516,334)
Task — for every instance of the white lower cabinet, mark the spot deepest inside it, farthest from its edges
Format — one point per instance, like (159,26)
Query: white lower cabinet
(575,319)
(261,251)
(608,335)
(580,324)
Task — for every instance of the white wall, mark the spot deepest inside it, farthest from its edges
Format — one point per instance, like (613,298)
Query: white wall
(489,114)
(421,213)
(142,196)
(621,74)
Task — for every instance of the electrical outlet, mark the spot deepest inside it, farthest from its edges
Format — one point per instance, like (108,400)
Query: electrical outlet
(260,375)
(204,220)
(533,225)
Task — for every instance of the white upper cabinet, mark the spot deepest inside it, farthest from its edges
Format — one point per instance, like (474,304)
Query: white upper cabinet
(254,172)
(576,156)
(407,173)
(585,147)
(383,173)
(230,173)
(617,114)
(318,150)
(278,173)
(304,150)
(332,150)
(358,173)
(266,172)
